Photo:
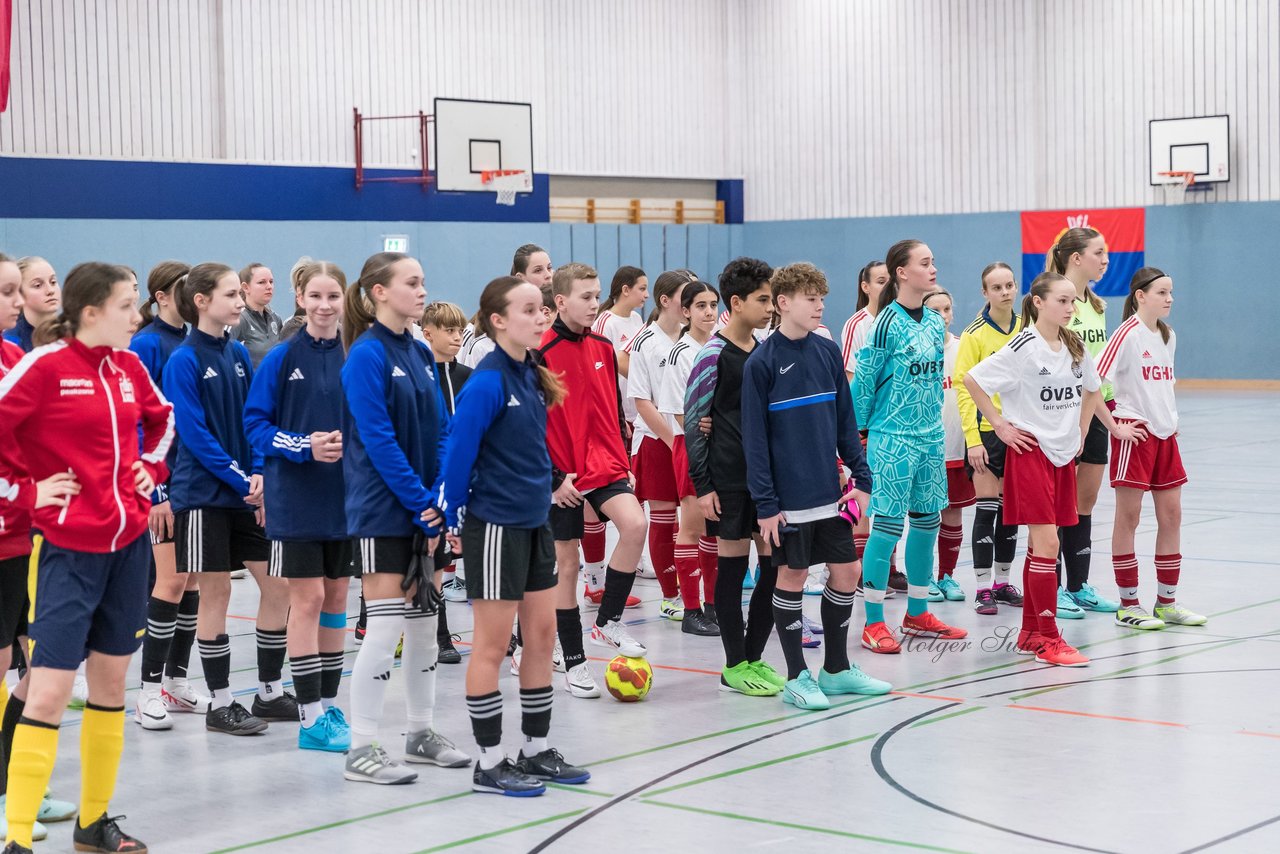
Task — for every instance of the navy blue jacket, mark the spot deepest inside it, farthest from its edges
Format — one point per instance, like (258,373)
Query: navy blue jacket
(154,344)
(207,381)
(496,462)
(297,391)
(797,415)
(394,435)
(21,333)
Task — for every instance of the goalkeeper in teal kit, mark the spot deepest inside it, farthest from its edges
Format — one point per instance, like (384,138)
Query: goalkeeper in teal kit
(897,397)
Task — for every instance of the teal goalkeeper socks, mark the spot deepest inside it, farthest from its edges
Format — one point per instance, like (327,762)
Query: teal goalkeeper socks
(922,542)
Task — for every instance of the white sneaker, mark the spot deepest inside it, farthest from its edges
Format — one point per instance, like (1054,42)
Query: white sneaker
(615,635)
(672,609)
(180,696)
(79,691)
(455,590)
(580,683)
(150,711)
(515,660)
(239,573)
(645,568)
(557,657)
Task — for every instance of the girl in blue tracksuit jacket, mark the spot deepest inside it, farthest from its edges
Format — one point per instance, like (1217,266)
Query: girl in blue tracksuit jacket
(394,432)
(216,495)
(175,599)
(294,420)
(496,494)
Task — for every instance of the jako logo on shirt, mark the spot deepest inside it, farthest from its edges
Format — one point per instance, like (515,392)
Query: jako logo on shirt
(396,372)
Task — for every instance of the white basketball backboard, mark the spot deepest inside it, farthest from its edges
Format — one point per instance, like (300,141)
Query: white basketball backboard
(1199,144)
(478,136)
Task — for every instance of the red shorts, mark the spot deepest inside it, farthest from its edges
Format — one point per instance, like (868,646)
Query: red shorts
(959,488)
(1152,465)
(680,465)
(655,477)
(1036,492)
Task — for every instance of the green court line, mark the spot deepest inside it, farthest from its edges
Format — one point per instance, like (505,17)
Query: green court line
(282,837)
(829,831)
(578,790)
(764,764)
(948,716)
(482,836)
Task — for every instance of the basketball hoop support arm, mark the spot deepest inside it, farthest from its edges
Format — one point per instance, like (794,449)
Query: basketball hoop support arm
(422,179)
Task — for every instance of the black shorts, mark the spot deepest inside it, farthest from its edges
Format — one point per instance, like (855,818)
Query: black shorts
(216,539)
(805,544)
(328,559)
(13,597)
(738,519)
(566,522)
(384,554)
(1096,444)
(995,448)
(506,563)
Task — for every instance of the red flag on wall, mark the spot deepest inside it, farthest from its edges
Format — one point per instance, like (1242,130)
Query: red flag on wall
(6,27)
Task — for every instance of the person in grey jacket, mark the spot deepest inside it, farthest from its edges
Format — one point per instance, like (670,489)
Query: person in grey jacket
(260,327)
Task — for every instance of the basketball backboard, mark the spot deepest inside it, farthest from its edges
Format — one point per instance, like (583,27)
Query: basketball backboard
(473,137)
(1198,144)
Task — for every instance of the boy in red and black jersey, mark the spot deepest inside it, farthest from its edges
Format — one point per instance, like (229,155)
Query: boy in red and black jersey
(586,437)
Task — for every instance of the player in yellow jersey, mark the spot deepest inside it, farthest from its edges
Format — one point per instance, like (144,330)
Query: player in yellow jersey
(1081,255)
(993,542)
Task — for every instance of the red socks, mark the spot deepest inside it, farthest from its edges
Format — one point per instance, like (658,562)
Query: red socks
(859,543)
(1126,569)
(1042,585)
(688,569)
(662,538)
(1167,569)
(593,542)
(950,539)
(709,561)
(1029,624)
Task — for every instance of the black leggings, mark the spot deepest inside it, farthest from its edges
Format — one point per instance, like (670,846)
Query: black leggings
(13,597)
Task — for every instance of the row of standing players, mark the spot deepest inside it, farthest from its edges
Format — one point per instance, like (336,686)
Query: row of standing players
(778,427)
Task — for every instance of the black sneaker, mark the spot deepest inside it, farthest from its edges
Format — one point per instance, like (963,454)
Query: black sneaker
(282,708)
(106,836)
(550,765)
(511,647)
(697,623)
(709,611)
(448,652)
(1007,594)
(897,580)
(233,720)
(15,848)
(506,779)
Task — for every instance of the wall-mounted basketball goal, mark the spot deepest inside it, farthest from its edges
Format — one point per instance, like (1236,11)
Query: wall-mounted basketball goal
(1189,155)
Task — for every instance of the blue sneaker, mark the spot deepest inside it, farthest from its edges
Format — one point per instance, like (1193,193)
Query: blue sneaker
(810,626)
(803,693)
(749,580)
(935,592)
(324,736)
(1089,599)
(51,810)
(851,681)
(338,721)
(950,588)
(1067,607)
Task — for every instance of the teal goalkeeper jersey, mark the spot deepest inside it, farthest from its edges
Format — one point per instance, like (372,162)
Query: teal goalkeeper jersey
(897,388)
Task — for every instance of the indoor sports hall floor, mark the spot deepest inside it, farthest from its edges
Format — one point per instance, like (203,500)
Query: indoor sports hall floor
(1167,742)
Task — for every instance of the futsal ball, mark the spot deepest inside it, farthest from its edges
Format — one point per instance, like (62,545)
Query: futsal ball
(628,679)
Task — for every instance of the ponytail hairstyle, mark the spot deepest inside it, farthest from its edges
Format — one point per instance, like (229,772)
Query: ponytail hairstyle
(164,277)
(1040,287)
(1071,241)
(899,255)
(294,272)
(666,286)
(246,272)
(495,299)
(864,278)
(201,279)
(87,285)
(1141,281)
(691,292)
(991,268)
(357,309)
(626,277)
(520,261)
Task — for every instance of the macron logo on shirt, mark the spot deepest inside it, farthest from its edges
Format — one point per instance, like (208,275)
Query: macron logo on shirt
(513,401)
(296,375)
(210,373)
(396,372)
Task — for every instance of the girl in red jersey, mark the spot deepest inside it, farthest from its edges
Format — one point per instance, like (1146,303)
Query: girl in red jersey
(1049,391)
(959,488)
(1138,360)
(651,445)
(78,406)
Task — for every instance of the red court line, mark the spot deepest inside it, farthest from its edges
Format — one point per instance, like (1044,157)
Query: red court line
(1096,716)
(931,697)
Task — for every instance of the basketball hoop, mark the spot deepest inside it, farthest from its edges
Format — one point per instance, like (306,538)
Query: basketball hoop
(1176,183)
(506,183)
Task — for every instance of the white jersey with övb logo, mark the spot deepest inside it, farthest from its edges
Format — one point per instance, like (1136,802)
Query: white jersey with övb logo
(1040,390)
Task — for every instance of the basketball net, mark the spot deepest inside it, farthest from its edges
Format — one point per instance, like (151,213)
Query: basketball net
(505,183)
(1175,185)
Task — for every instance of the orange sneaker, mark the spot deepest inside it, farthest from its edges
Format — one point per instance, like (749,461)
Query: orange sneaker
(1028,642)
(594,597)
(928,626)
(1058,651)
(877,638)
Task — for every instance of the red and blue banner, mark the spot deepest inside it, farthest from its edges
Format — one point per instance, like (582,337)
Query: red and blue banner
(1124,230)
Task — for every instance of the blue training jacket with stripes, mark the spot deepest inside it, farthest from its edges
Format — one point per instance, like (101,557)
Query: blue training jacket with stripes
(797,415)
(297,391)
(154,344)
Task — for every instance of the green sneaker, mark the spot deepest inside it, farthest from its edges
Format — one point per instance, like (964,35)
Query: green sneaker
(851,681)
(1174,614)
(1088,598)
(766,672)
(935,592)
(1067,607)
(742,678)
(951,589)
(803,693)
(1138,618)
